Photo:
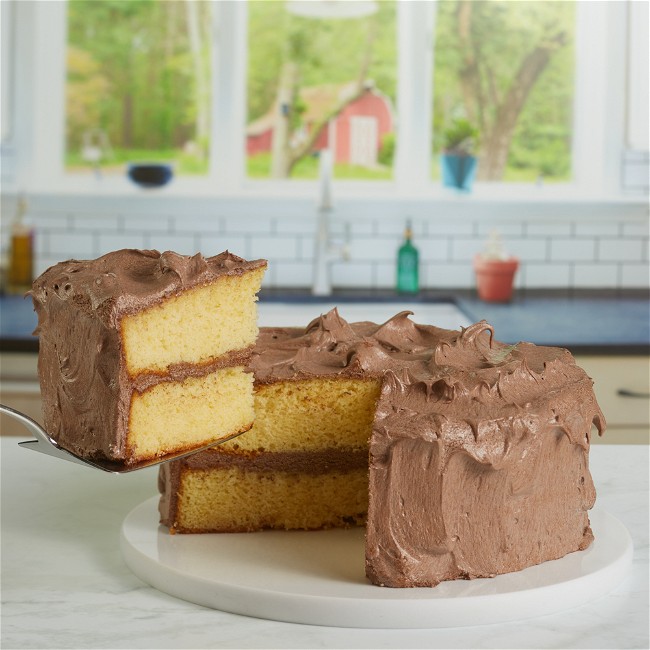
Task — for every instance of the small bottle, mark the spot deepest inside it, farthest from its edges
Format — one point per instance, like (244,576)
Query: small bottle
(408,264)
(20,271)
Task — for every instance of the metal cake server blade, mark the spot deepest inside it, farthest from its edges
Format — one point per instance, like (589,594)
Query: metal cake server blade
(45,444)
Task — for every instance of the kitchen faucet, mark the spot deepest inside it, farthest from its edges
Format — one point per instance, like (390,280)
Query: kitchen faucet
(324,251)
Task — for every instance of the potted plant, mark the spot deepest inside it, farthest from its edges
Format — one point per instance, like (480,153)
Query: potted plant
(458,162)
(495,271)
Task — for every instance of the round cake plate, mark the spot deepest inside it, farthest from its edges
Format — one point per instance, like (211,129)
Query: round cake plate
(318,578)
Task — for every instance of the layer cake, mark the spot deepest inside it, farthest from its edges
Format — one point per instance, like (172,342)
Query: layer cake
(143,354)
(470,455)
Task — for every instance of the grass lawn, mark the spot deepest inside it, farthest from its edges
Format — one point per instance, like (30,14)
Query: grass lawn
(259,167)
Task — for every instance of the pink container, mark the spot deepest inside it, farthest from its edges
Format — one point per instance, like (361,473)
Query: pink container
(495,278)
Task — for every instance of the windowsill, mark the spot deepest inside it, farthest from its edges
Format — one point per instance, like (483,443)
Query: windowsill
(116,185)
(505,200)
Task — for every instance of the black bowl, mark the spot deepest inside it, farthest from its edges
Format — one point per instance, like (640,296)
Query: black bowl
(150,175)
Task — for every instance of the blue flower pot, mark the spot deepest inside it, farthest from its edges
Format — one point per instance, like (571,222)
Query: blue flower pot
(458,171)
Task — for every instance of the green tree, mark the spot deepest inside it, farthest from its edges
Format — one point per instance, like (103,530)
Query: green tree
(152,59)
(492,59)
(287,53)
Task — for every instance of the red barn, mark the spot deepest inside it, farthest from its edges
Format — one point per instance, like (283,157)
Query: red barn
(354,135)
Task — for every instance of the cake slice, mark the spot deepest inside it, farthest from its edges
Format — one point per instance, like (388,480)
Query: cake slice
(143,354)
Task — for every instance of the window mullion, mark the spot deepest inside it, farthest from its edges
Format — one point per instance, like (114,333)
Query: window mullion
(416,23)
(228,95)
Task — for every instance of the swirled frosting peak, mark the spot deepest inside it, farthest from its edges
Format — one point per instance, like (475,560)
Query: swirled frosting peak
(330,345)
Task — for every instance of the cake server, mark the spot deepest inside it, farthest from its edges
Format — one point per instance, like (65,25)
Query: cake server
(45,444)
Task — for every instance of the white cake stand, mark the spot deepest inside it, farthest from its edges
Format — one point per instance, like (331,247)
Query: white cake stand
(318,577)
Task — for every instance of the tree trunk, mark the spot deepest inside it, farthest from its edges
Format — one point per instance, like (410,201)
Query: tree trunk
(200,83)
(284,156)
(492,163)
(127,120)
(280,146)
(496,134)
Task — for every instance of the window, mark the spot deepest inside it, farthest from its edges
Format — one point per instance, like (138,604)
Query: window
(506,69)
(138,85)
(201,83)
(317,82)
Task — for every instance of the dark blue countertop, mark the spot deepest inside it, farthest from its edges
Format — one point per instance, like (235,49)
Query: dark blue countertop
(585,322)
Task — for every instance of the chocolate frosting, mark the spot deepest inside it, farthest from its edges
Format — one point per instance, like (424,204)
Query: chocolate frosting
(329,345)
(127,281)
(480,465)
(479,450)
(85,388)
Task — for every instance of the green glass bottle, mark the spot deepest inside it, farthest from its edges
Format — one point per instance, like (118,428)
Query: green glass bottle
(408,261)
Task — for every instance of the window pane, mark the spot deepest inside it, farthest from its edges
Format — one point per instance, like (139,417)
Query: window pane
(138,84)
(507,68)
(317,83)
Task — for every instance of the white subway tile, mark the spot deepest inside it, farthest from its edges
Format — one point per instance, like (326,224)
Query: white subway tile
(526,249)
(596,229)
(463,250)
(108,242)
(293,226)
(396,226)
(181,244)
(635,276)
(147,223)
(196,223)
(435,250)
(620,250)
(550,229)
(96,222)
(536,276)
(40,242)
(48,220)
(378,249)
(449,227)
(569,250)
(293,274)
(386,275)
(636,228)
(595,275)
(72,245)
(214,244)
(352,274)
(274,248)
(446,276)
(505,228)
(247,225)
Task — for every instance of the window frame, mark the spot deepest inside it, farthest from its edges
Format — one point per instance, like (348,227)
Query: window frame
(35,152)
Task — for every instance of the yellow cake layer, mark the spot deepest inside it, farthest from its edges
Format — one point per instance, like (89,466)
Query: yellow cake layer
(311,415)
(230,500)
(222,318)
(174,416)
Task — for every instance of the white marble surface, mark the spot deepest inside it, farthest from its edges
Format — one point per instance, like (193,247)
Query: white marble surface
(65,585)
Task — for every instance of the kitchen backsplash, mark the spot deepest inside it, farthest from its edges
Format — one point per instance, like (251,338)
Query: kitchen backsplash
(557,253)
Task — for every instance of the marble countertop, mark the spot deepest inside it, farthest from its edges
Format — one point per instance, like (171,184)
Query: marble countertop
(65,584)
